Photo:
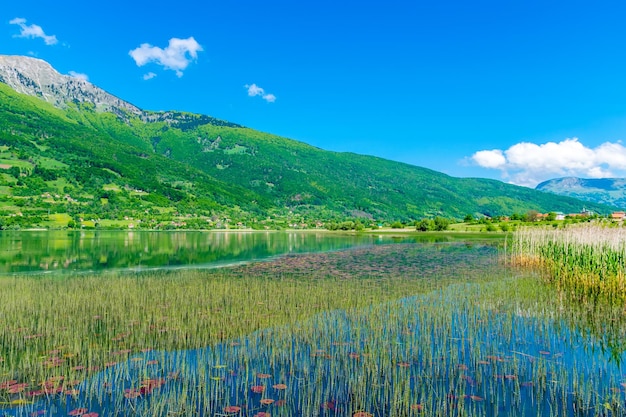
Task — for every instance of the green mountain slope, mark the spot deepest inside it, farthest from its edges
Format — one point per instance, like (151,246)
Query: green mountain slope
(609,191)
(175,169)
(58,161)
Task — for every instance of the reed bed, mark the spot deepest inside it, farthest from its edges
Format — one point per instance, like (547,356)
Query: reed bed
(399,330)
(588,261)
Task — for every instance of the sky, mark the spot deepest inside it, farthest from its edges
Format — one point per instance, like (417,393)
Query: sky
(519,91)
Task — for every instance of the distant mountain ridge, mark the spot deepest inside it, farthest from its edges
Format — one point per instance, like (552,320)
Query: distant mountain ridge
(68,147)
(609,191)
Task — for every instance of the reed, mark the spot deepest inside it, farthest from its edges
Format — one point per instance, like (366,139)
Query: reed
(402,330)
(587,261)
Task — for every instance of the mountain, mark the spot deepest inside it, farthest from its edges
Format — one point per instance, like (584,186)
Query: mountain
(70,151)
(36,77)
(608,191)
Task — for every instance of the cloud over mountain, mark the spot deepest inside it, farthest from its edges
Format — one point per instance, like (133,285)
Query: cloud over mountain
(528,163)
(32,31)
(78,75)
(255,90)
(176,56)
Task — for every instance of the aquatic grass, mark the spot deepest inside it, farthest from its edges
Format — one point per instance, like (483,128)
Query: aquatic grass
(587,264)
(72,326)
(588,261)
(437,330)
(82,323)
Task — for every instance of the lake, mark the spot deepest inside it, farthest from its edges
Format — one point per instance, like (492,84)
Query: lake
(437,326)
(90,251)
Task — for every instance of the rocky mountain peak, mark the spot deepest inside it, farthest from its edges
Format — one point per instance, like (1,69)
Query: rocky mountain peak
(38,78)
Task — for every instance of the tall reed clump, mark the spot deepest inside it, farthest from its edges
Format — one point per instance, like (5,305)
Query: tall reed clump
(587,261)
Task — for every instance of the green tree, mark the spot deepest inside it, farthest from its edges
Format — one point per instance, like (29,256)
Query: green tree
(424,225)
(15,171)
(441,223)
(531,216)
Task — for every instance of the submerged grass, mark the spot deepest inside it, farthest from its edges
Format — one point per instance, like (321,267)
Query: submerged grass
(53,326)
(393,330)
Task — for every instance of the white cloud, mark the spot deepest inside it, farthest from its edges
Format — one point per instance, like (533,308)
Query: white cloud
(490,159)
(255,90)
(613,154)
(528,163)
(149,76)
(599,172)
(78,75)
(32,31)
(176,56)
(270,98)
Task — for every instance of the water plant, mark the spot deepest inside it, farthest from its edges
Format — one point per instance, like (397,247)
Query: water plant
(393,330)
(588,261)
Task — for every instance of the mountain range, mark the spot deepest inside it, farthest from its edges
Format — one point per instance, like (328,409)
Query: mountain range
(71,152)
(608,191)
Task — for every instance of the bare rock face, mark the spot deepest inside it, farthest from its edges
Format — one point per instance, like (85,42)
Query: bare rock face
(36,77)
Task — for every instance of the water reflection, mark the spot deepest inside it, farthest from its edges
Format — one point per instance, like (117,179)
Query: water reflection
(48,251)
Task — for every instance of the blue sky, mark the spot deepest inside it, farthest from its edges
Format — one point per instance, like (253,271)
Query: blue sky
(512,90)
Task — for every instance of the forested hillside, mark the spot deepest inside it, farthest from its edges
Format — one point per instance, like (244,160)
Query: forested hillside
(79,165)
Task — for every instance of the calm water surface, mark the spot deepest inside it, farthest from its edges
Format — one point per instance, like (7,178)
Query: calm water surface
(88,251)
